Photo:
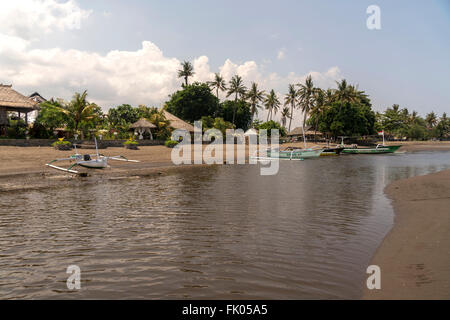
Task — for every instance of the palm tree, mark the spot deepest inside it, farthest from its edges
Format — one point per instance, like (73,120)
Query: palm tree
(306,97)
(255,96)
(291,99)
(318,107)
(218,84)
(186,71)
(431,120)
(237,88)
(285,113)
(79,109)
(271,103)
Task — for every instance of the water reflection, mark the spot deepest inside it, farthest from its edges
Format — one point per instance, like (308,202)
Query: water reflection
(216,232)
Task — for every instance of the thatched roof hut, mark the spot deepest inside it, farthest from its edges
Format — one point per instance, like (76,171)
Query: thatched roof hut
(11,100)
(141,127)
(142,123)
(177,123)
(299,132)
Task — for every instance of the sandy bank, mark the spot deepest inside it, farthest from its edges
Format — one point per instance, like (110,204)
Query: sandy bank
(415,256)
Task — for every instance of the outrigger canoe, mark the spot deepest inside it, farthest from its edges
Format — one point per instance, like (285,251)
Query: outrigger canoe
(294,154)
(332,151)
(379,149)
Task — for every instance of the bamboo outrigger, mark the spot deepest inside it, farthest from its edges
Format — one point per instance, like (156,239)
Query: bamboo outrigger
(92,161)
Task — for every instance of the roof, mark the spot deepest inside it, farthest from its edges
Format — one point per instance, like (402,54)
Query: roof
(177,123)
(10,98)
(299,131)
(142,123)
(251,132)
(37,97)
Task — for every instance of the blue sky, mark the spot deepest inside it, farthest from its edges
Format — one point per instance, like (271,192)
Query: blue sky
(406,62)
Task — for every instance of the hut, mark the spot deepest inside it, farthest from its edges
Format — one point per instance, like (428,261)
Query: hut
(11,100)
(251,135)
(310,134)
(177,123)
(141,127)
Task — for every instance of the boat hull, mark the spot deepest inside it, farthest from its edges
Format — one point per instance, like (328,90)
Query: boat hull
(378,150)
(295,154)
(331,152)
(94,164)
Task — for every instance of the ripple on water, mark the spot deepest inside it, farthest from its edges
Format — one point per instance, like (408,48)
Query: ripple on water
(218,232)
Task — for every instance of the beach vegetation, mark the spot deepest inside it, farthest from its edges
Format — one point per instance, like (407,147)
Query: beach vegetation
(193,102)
(171,143)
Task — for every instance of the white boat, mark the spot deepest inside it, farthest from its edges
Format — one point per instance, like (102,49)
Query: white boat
(92,161)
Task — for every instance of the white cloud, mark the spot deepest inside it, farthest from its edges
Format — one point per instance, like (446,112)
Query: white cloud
(144,76)
(281,54)
(28,19)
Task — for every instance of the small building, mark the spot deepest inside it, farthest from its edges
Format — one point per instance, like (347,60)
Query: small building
(177,123)
(310,134)
(13,101)
(37,97)
(141,127)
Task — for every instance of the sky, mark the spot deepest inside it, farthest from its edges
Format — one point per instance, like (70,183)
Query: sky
(130,51)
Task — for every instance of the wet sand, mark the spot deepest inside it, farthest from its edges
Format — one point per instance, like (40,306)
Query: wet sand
(415,256)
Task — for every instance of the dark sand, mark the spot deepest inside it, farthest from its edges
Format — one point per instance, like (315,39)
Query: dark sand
(415,256)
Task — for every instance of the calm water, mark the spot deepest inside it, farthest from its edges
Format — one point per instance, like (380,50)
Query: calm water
(217,232)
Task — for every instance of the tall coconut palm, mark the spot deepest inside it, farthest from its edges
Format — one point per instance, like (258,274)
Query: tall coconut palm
(318,107)
(255,96)
(291,99)
(431,120)
(186,71)
(79,109)
(218,84)
(306,99)
(271,103)
(236,87)
(285,113)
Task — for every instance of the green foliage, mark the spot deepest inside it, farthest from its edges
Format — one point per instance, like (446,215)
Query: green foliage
(122,114)
(240,110)
(417,132)
(171,143)
(347,119)
(61,142)
(130,141)
(16,130)
(163,129)
(442,130)
(401,123)
(272,125)
(51,116)
(193,102)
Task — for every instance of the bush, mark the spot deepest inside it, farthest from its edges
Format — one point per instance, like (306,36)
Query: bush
(61,144)
(130,142)
(16,130)
(170,143)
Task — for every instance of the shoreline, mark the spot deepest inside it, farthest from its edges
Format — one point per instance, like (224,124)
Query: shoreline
(23,168)
(414,257)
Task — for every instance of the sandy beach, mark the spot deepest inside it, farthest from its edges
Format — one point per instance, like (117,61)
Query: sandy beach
(415,256)
(24,167)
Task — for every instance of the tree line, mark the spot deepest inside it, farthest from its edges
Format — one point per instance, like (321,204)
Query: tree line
(341,111)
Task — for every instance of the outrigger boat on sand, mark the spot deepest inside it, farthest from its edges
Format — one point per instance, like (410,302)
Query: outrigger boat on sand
(379,149)
(92,161)
(290,154)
